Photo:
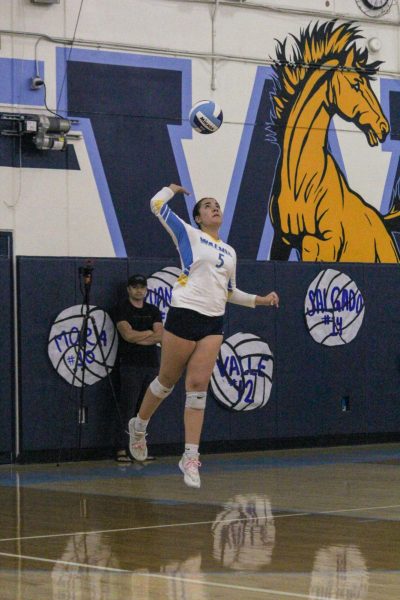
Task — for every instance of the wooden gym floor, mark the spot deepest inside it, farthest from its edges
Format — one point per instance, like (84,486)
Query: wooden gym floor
(300,524)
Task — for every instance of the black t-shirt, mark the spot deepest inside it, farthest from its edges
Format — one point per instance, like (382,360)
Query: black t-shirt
(139,319)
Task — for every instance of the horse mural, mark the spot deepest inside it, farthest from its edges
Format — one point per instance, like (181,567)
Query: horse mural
(312,207)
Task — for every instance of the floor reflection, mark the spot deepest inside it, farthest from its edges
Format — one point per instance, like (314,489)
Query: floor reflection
(324,531)
(178,586)
(241,538)
(244,533)
(71,582)
(339,572)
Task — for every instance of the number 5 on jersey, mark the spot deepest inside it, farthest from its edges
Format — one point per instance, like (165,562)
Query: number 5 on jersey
(221,260)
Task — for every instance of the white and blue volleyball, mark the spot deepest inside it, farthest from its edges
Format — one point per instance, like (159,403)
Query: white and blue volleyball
(206,116)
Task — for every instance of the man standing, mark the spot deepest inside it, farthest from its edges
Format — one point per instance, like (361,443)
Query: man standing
(140,327)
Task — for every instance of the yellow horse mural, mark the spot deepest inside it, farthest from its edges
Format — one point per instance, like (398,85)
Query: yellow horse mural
(312,207)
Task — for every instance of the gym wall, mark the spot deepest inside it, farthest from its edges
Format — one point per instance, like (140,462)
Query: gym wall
(6,361)
(310,380)
(128,91)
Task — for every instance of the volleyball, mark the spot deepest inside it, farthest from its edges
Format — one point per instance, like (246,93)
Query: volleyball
(206,116)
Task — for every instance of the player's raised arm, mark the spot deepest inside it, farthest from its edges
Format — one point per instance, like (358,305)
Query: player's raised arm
(165,195)
(178,189)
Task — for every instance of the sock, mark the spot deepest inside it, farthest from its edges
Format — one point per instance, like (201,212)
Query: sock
(191,450)
(141,424)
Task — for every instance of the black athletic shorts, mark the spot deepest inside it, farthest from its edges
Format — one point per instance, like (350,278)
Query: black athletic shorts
(192,325)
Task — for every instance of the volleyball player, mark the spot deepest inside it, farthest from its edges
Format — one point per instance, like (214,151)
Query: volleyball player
(193,330)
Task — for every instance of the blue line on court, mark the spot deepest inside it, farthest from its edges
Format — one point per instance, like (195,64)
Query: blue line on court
(212,464)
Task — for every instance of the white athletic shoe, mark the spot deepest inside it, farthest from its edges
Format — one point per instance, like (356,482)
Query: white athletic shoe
(190,470)
(137,442)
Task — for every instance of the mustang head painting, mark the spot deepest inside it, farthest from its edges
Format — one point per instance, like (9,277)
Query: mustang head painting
(312,207)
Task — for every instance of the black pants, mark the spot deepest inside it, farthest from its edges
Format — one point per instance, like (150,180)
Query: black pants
(134,382)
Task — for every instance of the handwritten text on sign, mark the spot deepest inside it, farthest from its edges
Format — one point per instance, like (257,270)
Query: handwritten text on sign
(242,376)
(241,373)
(83,350)
(75,339)
(159,289)
(334,308)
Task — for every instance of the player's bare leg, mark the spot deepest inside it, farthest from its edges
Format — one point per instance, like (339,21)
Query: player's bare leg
(198,374)
(175,353)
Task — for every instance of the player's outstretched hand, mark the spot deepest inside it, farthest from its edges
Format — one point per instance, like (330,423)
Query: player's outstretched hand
(178,189)
(271,299)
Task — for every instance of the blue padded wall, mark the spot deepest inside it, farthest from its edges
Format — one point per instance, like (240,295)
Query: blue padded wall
(6,361)
(382,348)
(313,378)
(309,381)
(48,403)
(257,278)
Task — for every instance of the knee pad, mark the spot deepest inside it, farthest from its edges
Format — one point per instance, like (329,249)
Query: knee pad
(159,390)
(196,400)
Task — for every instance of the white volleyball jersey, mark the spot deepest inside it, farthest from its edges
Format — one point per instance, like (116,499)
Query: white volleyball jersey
(208,278)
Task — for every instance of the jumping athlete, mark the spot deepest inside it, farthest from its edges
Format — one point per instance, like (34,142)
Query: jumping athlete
(193,330)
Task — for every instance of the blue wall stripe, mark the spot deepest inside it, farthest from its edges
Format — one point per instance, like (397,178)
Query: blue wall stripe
(15,76)
(176,132)
(392,146)
(261,75)
(104,191)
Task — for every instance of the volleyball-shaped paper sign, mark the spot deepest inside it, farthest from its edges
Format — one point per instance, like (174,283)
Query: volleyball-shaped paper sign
(242,376)
(244,533)
(334,308)
(78,362)
(159,288)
